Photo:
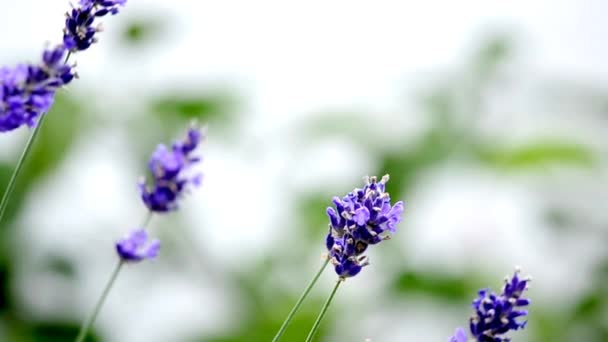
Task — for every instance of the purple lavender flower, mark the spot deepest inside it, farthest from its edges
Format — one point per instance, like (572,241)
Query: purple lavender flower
(171,173)
(136,247)
(459,336)
(361,218)
(495,315)
(79,33)
(27,91)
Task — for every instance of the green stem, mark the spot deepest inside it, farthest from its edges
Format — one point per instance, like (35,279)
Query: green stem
(86,326)
(89,322)
(315,326)
(299,302)
(26,150)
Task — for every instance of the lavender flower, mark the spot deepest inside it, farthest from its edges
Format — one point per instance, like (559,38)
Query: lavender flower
(136,247)
(79,33)
(361,218)
(459,336)
(495,315)
(27,91)
(171,173)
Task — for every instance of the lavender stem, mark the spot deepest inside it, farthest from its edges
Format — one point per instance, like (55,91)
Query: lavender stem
(89,322)
(296,307)
(26,150)
(315,326)
(86,326)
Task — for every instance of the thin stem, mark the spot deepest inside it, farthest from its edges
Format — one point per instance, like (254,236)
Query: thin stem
(86,326)
(147,219)
(26,150)
(314,328)
(296,307)
(89,322)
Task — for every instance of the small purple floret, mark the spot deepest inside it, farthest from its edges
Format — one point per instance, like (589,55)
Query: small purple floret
(361,218)
(136,247)
(459,336)
(171,171)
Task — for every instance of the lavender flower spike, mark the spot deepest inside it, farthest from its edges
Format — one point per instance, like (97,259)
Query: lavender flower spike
(361,218)
(136,247)
(79,33)
(171,170)
(27,91)
(496,315)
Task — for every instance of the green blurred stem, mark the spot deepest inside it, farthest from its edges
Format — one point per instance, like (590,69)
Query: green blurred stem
(26,150)
(89,322)
(299,302)
(86,326)
(315,326)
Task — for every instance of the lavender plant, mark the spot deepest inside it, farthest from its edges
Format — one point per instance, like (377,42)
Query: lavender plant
(362,218)
(27,91)
(172,174)
(496,315)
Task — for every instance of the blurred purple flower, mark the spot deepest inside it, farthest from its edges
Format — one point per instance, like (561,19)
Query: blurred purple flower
(171,173)
(79,33)
(361,218)
(136,247)
(459,336)
(495,315)
(27,91)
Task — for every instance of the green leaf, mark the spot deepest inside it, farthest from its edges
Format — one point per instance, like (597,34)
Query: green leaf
(143,30)
(184,107)
(437,285)
(58,332)
(538,154)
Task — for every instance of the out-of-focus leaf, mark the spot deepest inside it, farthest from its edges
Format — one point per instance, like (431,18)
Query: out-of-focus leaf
(143,30)
(263,311)
(491,54)
(406,165)
(538,154)
(58,332)
(436,285)
(548,326)
(184,107)
(311,211)
(4,286)
(589,306)
(60,265)
(351,125)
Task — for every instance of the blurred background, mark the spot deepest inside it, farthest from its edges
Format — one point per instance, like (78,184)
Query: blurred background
(490,117)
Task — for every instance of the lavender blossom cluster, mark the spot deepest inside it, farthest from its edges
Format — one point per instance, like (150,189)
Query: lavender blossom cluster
(496,315)
(28,90)
(362,218)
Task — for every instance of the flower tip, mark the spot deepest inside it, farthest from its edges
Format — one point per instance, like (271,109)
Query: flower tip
(136,247)
(459,336)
